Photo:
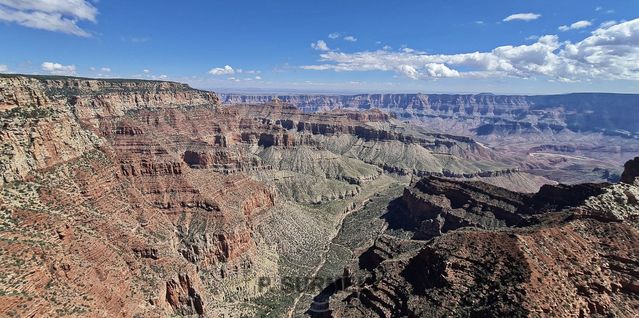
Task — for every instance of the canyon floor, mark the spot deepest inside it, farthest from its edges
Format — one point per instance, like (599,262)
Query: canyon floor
(136,198)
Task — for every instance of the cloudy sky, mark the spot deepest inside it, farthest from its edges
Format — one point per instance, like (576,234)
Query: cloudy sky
(524,47)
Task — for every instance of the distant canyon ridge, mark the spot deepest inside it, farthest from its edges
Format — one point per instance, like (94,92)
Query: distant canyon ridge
(611,114)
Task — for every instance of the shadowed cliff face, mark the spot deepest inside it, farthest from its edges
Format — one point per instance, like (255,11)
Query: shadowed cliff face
(566,250)
(631,171)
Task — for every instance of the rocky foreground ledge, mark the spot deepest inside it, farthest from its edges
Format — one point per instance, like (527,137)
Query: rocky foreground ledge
(489,252)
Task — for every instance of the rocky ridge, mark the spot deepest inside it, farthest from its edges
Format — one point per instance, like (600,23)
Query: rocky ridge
(567,250)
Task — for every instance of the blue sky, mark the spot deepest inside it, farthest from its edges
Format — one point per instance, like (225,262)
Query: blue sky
(530,47)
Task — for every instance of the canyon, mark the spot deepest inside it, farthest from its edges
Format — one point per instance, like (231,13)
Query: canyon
(581,137)
(141,198)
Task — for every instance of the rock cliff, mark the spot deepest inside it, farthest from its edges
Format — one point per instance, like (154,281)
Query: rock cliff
(631,171)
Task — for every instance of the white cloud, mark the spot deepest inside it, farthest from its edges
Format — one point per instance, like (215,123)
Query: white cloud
(532,37)
(258,78)
(598,8)
(387,47)
(607,24)
(146,71)
(350,38)
(51,15)
(577,25)
(3,68)
(320,46)
(522,17)
(334,35)
(479,22)
(105,69)
(608,53)
(226,70)
(58,69)
(241,71)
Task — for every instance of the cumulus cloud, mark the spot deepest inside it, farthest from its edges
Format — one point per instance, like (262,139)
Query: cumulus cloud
(58,69)
(334,35)
(51,15)
(105,69)
(320,46)
(577,25)
(522,17)
(226,70)
(350,38)
(3,68)
(607,53)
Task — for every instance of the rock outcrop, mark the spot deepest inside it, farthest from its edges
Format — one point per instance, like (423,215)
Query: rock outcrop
(631,171)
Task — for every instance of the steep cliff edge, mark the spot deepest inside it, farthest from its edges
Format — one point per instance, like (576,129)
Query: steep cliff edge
(48,120)
(101,216)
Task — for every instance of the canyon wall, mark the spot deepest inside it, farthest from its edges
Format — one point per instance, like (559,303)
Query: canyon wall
(588,112)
